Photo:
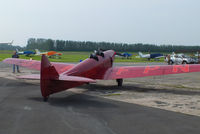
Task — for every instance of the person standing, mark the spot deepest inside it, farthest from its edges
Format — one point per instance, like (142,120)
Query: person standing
(15,55)
(169,59)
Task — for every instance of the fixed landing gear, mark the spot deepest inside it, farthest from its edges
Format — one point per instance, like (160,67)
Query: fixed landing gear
(119,82)
(45,99)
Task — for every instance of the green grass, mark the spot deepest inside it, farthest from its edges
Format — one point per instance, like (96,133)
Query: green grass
(74,57)
(113,94)
(134,59)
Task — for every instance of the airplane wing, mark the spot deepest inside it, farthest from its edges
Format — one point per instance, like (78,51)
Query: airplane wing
(143,71)
(34,64)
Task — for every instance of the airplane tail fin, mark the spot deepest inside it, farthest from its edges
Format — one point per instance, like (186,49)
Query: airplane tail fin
(47,74)
(37,52)
(11,42)
(140,54)
(17,50)
(51,82)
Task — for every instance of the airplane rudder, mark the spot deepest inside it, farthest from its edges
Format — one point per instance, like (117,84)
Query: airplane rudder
(47,74)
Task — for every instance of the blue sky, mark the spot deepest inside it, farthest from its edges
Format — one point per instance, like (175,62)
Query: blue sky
(125,21)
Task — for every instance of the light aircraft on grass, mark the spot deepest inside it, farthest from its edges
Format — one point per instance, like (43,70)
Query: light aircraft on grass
(56,77)
(26,53)
(124,55)
(49,53)
(151,56)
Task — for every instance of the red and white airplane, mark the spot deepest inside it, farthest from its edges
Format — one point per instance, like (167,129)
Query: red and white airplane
(49,53)
(56,77)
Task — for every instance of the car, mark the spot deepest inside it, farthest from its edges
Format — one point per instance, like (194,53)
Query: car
(180,59)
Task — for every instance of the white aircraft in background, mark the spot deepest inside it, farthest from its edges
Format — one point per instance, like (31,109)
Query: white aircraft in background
(9,43)
(150,56)
(197,54)
(26,53)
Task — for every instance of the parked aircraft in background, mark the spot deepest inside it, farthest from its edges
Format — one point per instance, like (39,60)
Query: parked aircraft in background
(56,77)
(197,54)
(124,55)
(49,53)
(151,56)
(8,43)
(26,53)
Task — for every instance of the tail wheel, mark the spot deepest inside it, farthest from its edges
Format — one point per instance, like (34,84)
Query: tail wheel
(45,99)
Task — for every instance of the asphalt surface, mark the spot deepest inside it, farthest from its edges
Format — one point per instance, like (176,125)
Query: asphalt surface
(22,111)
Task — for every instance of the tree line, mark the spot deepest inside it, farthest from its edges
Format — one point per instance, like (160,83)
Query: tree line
(68,45)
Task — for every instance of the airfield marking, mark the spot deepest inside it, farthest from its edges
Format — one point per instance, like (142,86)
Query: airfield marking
(121,69)
(149,68)
(184,68)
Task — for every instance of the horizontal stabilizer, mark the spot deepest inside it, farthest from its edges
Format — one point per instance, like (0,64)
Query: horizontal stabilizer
(62,78)
(76,79)
(31,77)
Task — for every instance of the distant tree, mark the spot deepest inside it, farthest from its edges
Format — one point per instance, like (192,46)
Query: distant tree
(68,45)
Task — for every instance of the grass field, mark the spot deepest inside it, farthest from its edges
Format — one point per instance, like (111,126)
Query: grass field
(75,57)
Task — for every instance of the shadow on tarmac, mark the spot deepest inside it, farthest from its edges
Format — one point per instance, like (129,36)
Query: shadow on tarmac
(103,88)
(22,111)
(130,87)
(75,100)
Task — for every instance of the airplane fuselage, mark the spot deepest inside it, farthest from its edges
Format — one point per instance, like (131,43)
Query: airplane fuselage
(91,68)
(25,53)
(156,55)
(151,56)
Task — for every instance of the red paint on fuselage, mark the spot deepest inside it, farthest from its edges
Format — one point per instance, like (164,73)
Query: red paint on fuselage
(91,68)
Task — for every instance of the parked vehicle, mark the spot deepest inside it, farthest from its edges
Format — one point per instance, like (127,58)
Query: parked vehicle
(180,59)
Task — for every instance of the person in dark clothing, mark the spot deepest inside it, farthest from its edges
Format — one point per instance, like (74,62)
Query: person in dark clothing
(15,55)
